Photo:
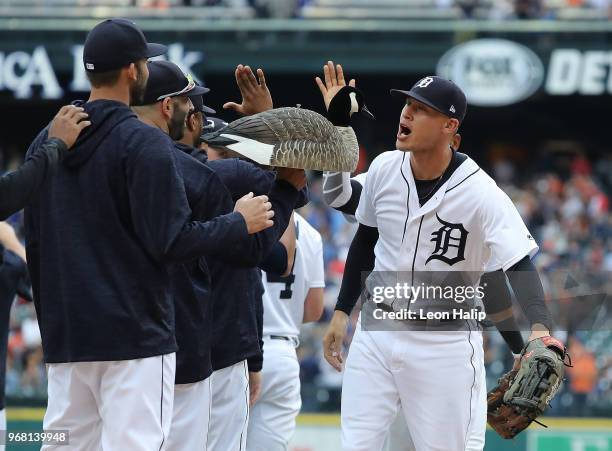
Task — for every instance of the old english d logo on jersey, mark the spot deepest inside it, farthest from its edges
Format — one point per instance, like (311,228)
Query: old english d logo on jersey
(450,242)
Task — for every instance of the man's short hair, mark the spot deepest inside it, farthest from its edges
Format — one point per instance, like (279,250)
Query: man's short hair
(101,79)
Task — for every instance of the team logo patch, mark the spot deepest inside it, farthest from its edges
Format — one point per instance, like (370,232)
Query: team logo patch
(452,109)
(425,82)
(450,240)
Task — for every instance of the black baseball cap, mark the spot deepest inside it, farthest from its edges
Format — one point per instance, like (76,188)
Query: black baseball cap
(114,44)
(440,94)
(166,79)
(198,103)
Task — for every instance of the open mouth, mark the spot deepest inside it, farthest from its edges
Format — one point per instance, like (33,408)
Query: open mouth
(405,131)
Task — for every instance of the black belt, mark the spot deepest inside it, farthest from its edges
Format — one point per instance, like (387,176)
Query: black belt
(280,337)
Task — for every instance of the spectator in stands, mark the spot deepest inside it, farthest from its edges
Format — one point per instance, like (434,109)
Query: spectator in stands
(528,9)
(582,375)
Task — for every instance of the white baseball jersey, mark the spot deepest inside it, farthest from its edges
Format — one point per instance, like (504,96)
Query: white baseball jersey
(284,297)
(361,178)
(469,224)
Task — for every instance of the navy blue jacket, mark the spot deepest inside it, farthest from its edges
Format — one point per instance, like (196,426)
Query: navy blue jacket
(13,280)
(236,291)
(101,235)
(191,282)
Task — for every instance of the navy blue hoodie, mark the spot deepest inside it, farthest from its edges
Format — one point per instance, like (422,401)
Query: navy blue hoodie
(101,235)
(191,283)
(237,292)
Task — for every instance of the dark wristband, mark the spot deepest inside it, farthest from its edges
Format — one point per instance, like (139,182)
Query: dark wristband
(513,339)
(527,286)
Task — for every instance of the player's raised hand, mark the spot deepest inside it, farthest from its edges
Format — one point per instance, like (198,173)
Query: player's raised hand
(334,338)
(256,211)
(256,96)
(334,82)
(68,123)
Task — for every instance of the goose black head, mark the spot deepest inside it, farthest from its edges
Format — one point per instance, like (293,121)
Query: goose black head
(348,101)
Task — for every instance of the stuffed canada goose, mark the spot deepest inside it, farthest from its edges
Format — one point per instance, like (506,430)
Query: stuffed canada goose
(297,137)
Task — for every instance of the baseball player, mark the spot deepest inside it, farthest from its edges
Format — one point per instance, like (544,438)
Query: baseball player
(20,186)
(342,192)
(498,306)
(236,353)
(191,285)
(101,236)
(427,208)
(288,302)
(13,280)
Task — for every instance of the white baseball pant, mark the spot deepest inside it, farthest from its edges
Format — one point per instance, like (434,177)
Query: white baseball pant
(272,417)
(115,405)
(399,437)
(229,415)
(435,377)
(190,417)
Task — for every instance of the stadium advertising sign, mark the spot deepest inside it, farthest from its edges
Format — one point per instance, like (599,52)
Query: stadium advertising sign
(21,72)
(493,72)
(498,72)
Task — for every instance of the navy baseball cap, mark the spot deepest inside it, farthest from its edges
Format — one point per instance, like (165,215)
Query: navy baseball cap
(440,94)
(166,79)
(114,44)
(213,124)
(198,103)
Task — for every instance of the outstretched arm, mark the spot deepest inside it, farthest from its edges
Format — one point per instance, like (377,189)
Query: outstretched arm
(19,187)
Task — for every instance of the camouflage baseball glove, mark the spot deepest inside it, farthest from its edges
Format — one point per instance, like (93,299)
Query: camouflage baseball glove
(524,392)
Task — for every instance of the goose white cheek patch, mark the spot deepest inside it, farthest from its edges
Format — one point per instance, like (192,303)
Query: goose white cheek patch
(254,150)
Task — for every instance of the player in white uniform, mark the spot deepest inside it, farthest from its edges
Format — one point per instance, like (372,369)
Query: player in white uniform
(461,221)
(288,302)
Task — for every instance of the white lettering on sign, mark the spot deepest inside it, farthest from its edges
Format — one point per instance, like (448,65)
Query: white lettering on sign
(589,443)
(79,78)
(572,71)
(184,60)
(20,71)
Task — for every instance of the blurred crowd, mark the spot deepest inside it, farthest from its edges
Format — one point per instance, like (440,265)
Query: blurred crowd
(565,203)
(473,9)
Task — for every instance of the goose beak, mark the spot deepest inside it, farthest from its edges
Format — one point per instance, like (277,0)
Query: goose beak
(368,113)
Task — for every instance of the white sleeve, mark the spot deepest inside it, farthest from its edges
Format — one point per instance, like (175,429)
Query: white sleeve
(315,267)
(504,232)
(366,214)
(337,188)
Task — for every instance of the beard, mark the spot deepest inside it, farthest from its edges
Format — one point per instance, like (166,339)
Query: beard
(137,90)
(176,126)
